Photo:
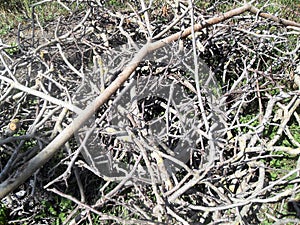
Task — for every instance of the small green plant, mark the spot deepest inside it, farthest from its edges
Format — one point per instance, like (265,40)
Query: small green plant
(251,120)
(3,215)
(295,131)
(13,49)
(115,3)
(57,210)
(280,165)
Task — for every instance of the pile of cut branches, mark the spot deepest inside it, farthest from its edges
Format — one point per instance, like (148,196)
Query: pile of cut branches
(178,115)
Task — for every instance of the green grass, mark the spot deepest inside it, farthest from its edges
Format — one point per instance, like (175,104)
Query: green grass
(12,13)
(12,49)
(287,9)
(3,215)
(19,12)
(58,210)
